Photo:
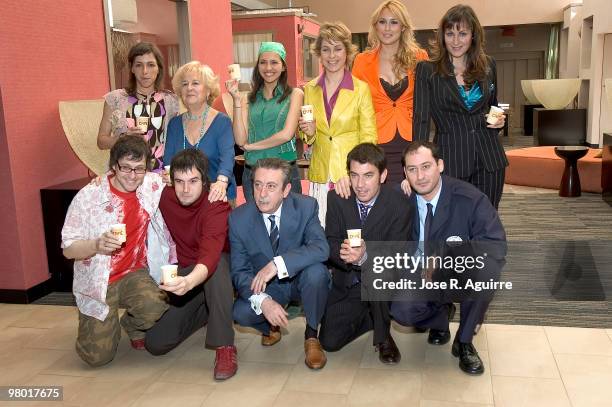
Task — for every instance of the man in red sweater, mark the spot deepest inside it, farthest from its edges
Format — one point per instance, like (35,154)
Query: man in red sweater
(202,293)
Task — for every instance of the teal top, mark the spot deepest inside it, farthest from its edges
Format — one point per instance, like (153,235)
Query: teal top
(266,118)
(472,97)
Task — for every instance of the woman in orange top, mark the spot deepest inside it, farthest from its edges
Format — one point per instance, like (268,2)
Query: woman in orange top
(388,68)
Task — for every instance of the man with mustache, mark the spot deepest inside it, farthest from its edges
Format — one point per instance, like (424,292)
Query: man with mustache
(277,252)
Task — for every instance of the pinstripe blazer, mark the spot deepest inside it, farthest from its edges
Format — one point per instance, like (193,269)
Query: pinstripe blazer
(461,134)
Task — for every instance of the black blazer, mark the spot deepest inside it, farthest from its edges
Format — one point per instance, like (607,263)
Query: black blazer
(461,134)
(390,219)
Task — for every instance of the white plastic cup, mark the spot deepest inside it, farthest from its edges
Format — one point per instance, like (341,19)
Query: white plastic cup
(307,113)
(495,114)
(354,237)
(234,71)
(169,273)
(142,123)
(118,231)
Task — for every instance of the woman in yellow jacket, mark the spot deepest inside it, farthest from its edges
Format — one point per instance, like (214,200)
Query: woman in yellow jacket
(343,115)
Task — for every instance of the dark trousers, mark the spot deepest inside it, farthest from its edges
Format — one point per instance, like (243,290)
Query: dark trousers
(434,315)
(491,183)
(347,317)
(247,182)
(209,303)
(310,286)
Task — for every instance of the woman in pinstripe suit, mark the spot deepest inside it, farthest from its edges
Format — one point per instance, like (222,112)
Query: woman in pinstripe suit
(456,89)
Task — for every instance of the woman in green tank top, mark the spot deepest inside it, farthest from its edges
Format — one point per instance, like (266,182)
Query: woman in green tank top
(265,126)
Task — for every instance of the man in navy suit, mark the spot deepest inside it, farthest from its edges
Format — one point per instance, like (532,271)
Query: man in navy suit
(449,211)
(277,252)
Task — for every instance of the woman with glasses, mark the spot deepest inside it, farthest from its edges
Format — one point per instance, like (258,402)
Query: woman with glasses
(142,108)
(343,115)
(204,128)
(266,126)
(388,68)
(457,89)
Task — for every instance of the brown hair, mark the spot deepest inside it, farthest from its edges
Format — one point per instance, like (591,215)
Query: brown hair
(406,57)
(143,48)
(131,147)
(477,62)
(336,31)
(190,158)
(415,145)
(273,163)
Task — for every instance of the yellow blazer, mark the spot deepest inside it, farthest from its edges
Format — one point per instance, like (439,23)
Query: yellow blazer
(353,122)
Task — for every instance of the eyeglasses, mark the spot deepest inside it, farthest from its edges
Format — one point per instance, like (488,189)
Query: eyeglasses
(270,186)
(127,169)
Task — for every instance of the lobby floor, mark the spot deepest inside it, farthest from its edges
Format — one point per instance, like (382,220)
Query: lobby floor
(525,366)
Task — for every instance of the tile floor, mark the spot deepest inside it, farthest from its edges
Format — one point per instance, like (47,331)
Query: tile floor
(525,366)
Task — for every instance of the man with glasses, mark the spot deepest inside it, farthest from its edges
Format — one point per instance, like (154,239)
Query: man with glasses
(202,293)
(116,234)
(277,252)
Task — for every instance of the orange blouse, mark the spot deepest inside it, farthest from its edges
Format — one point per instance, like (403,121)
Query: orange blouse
(390,115)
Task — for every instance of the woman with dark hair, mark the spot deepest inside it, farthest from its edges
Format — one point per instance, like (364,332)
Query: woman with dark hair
(388,67)
(142,108)
(266,126)
(456,89)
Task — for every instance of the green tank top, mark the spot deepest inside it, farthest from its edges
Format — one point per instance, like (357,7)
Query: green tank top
(267,117)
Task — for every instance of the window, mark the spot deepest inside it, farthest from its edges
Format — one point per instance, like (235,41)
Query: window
(246,47)
(310,61)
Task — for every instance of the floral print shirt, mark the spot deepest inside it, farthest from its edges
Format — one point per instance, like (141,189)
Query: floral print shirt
(90,214)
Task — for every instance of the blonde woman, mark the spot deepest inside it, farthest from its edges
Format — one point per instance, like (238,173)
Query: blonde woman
(343,115)
(202,127)
(388,67)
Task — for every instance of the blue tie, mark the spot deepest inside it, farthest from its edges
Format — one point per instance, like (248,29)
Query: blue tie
(274,236)
(427,226)
(363,212)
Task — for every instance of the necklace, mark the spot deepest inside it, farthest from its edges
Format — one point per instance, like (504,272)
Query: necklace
(204,115)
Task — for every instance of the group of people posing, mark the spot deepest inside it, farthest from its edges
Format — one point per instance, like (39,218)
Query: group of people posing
(171,184)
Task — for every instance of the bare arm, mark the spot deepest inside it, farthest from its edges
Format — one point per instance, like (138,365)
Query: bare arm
(83,249)
(240,113)
(105,138)
(288,131)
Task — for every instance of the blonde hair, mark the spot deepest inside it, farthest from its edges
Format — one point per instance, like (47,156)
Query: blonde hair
(406,57)
(336,31)
(207,76)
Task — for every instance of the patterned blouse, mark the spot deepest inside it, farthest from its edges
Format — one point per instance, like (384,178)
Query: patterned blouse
(159,107)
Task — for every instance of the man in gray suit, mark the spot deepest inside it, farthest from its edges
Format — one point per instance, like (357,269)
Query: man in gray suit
(277,252)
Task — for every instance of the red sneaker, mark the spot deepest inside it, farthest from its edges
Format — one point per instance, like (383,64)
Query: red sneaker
(226,363)
(138,344)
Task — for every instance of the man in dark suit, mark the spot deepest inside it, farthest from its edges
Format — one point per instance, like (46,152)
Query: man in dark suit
(277,252)
(383,214)
(449,211)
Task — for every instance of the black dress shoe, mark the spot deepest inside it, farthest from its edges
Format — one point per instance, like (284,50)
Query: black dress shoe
(469,361)
(437,337)
(388,352)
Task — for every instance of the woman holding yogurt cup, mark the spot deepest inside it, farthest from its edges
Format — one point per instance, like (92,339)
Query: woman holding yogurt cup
(457,89)
(343,115)
(265,123)
(142,108)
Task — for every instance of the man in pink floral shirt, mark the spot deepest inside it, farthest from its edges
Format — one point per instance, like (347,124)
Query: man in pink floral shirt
(110,272)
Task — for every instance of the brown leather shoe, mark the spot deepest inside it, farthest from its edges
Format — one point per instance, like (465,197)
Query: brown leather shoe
(273,338)
(315,357)
(388,353)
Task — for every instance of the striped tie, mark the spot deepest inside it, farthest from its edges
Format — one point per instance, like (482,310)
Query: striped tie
(274,236)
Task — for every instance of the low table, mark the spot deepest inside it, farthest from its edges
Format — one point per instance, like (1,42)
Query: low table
(570,181)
